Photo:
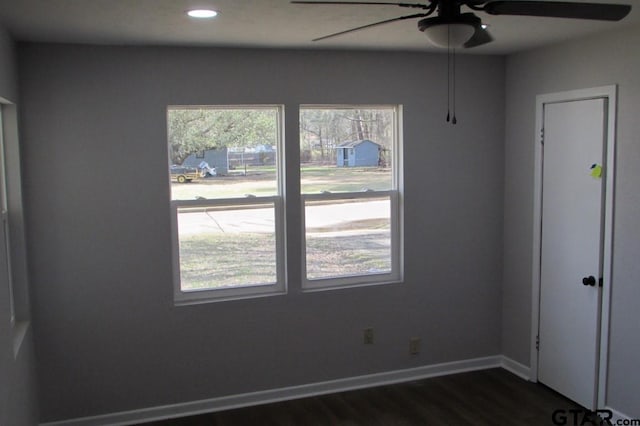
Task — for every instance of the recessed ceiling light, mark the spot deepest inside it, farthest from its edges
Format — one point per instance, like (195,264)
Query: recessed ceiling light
(202,13)
(484,26)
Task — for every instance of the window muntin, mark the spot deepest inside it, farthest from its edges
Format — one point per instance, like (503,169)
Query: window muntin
(349,171)
(227,217)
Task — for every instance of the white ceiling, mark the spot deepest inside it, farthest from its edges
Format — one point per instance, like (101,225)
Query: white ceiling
(267,23)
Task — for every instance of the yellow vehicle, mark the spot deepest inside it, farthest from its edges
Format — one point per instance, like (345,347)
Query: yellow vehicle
(183,174)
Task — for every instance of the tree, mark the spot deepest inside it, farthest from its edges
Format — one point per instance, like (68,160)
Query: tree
(191,130)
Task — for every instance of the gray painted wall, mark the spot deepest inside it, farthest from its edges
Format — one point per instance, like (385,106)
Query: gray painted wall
(108,336)
(590,62)
(17,380)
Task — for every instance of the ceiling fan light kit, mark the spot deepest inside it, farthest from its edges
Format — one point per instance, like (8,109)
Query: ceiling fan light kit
(449,35)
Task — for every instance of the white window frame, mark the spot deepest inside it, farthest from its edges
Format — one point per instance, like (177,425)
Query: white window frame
(4,206)
(182,297)
(396,275)
(12,218)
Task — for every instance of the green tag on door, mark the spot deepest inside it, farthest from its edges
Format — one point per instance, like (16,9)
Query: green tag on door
(596,171)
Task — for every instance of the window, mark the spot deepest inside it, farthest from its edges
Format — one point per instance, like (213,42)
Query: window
(349,171)
(225,169)
(227,201)
(5,249)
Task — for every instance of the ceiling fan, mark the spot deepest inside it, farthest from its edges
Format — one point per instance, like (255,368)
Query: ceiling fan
(452,28)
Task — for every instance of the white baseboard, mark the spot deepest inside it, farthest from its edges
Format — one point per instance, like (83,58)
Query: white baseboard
(288,393)
(516,368)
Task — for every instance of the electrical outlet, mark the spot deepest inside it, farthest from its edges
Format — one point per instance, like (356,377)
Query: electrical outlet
(414,346)
(368,336)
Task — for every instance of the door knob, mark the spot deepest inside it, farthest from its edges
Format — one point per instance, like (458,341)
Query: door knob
(590,280)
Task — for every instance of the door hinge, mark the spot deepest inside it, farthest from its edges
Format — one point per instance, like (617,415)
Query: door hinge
(538,342)
(542,136)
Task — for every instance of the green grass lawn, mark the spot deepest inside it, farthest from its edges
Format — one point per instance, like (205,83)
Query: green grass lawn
(261,181)
(315,179)
(225,260)
(333,256)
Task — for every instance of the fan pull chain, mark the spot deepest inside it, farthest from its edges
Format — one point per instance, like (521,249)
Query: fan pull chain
(448,85)
(454,120)
(451,79)
(448,75)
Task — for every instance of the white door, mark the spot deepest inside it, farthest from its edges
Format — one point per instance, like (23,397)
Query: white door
(571,247)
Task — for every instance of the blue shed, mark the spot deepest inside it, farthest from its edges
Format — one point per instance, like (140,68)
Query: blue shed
(214,157)
(362,153)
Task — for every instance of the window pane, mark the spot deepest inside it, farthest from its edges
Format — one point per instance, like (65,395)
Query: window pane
(346,149)
(230,246)
(348,237)
(348,181)
(218,152)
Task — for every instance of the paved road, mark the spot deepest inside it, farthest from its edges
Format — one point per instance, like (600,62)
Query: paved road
(261,220)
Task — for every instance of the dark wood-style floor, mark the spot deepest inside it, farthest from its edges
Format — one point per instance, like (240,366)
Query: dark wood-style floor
(489,397)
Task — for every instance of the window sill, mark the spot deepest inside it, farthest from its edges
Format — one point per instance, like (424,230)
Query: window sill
(313,288)
(187,299)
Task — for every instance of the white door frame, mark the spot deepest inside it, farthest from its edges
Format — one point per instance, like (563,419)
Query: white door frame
(609,93)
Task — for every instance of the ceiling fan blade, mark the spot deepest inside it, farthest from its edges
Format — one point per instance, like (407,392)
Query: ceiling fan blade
(480,37)
(599,11)
(375,24)
(414,5)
